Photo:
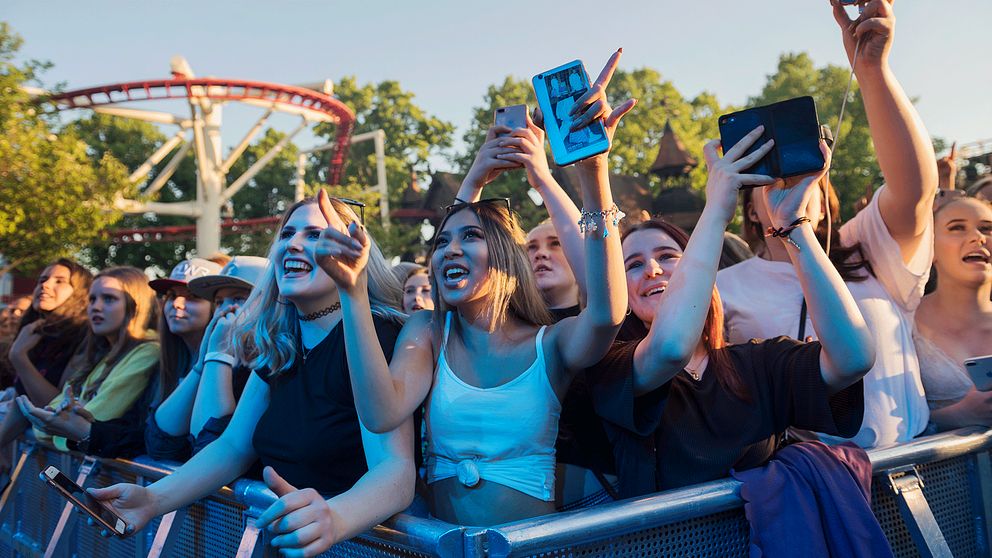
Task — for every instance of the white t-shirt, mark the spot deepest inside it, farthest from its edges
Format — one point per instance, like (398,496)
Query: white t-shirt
(762,299)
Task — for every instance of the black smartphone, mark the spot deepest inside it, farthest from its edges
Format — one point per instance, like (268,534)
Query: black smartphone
(84,501)
(794,127)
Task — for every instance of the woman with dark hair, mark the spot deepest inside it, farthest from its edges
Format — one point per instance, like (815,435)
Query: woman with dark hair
(682,406)
(883,253)
(115,365)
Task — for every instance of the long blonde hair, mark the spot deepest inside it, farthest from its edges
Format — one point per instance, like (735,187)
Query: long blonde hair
(513,286)
(267,330)
(139,302)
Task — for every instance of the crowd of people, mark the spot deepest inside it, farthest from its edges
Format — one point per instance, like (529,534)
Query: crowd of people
(518,372)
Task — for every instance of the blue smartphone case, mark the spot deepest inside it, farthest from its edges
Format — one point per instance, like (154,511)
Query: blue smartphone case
(557,90)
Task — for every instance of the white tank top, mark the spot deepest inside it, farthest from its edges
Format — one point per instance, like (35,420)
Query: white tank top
(505,434)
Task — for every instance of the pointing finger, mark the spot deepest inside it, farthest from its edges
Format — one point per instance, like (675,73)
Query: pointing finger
(328,211)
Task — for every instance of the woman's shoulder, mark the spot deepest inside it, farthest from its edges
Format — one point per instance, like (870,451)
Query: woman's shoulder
(145,349)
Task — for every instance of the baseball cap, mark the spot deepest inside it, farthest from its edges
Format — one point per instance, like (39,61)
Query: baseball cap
(185,271)
(242,272)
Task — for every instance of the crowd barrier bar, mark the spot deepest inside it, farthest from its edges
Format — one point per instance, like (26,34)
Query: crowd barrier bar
(952,470)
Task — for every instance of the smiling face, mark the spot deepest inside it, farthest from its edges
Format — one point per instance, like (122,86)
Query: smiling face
(417,293)
(53,288)
(554,276)
(460,262)
(107,308)
(185,313)
(650,256)
(962,242)
(298,276)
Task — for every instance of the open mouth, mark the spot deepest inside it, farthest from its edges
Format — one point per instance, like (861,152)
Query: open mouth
(416,307)
(656,290)
(96,320)
(454,275)
(542,268)
(978,256)
(295,267)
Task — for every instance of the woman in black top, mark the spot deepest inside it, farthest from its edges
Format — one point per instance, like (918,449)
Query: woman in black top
(681,406)
(297,414)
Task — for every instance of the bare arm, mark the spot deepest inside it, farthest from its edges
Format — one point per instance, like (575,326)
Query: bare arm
(215,398)
(902,145)
(173,415)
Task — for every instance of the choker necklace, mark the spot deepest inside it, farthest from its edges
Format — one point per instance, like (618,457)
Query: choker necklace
(320,313)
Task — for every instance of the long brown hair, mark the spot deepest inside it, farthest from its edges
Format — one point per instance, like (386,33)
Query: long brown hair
(139,300)
(65,326)
(175,358)
(714,336)
(850,261)
(513,286)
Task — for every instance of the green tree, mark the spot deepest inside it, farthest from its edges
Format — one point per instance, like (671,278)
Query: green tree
(54,198)
(854,169)
(412,138)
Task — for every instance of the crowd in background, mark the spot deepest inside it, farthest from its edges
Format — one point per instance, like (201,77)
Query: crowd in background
(516,373)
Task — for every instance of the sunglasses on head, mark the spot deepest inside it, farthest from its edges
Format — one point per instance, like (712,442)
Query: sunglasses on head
(460,204)
(354,204)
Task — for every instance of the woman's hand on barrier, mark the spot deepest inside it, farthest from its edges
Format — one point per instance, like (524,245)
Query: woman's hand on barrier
(134,504)
(342,251)
(725,175)
(301,519)
(874,28)
(788,201)
(527,149)
(27,339)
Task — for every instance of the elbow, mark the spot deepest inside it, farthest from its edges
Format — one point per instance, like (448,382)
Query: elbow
(379,424)
(860,359)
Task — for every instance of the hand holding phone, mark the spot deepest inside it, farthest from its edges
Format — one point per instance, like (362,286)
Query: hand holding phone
(84,501)
(512,117)
(559,91)
(980,370)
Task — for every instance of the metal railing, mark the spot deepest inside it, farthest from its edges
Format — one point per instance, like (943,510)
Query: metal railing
(954,471)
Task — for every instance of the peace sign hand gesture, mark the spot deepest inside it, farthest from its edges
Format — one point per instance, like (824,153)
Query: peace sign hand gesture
(594,105)
(342,251)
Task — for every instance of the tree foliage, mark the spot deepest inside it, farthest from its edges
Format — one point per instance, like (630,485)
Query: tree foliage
(54,198)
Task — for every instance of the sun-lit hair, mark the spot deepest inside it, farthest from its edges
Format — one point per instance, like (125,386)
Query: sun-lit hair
(714,336)
(850,261)
(139,302)
(267,331)
(65,326)
(512,284)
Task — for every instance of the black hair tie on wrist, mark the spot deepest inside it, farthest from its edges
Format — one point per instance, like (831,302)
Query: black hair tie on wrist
(784,232)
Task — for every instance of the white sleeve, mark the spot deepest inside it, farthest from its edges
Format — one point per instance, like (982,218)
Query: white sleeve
(904,282)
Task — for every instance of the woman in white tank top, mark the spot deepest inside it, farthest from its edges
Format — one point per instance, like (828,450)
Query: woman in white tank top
(491,369)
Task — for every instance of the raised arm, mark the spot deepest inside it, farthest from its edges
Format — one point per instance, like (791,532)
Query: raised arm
(678,322)
(902,145)
(215,396)
(385,394)
(173,415)
(218,464)
(848,346)
(37,388)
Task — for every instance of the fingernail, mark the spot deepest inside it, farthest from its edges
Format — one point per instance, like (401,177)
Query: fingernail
(620,50)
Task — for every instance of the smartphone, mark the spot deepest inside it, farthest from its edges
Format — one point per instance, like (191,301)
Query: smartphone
(100,512)
(980,370)
(557,90)
(794,127)
(512,117)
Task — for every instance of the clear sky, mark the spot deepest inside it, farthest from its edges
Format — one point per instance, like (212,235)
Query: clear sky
(448,52)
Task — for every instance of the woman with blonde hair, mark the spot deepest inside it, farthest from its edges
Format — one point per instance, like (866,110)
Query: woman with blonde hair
(492,369)
(297,413)
(115,364)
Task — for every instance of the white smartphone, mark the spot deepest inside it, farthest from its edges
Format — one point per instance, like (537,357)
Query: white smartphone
(513,117)
(980,370)
(557,90)
(100,512)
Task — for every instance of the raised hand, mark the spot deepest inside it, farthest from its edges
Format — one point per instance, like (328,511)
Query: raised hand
(27,339)
(342,251)
(874,29)
(301,519)
(487,165)
(218,335)
(134,504)
(527,150)
(947,169)
(594,105)
(787,202)
(725,176)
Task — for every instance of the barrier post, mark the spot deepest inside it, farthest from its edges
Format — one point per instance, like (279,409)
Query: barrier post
(250,546)
(983,511)
(64,528)
(163,545)
(29,448)
(907,485)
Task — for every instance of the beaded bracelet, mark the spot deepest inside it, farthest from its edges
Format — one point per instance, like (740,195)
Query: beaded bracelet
(785,232)
(588,224)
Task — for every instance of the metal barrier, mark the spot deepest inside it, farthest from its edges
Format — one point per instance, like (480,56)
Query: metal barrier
(953,471)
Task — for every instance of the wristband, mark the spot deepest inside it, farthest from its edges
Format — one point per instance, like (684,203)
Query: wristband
(785,233)
(223,358)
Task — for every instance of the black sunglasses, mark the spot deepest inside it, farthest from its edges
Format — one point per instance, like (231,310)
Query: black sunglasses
(355,203)
(459,204)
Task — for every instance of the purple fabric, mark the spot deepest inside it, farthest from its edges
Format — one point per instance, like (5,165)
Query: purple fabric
(812,500)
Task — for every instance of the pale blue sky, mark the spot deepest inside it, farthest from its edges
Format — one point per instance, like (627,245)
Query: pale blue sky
(447,52)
